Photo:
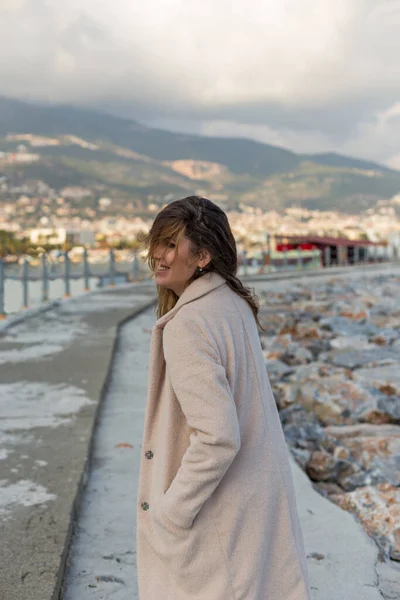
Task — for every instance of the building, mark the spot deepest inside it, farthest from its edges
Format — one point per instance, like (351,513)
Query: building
(58,236)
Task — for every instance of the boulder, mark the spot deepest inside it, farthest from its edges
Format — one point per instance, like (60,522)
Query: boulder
(314,371)
(277,345)
(285,395)
(334,400)
(388,375)
(378,509)
(355,342)
(316,346)
(390,406)
(296,355)
(347,327)
(277,369)
(385,337)
(307,330)
(353,359)
(376,448)
(323,466)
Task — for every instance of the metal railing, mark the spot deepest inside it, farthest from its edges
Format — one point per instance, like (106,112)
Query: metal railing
(47,270)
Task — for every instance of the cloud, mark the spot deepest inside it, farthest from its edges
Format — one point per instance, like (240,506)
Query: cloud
(313,73)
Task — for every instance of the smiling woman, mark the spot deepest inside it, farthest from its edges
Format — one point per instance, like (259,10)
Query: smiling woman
(189,238)
(216,515)
(176,264)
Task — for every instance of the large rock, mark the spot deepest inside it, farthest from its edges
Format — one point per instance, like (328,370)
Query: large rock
(335,400)
(323,466)
(302,429)
(317,346)
(355,342)
(314,371)
(308,330)
(353,359)
(385,336)
(378,509)
(381,376)
(296,355)
(346,326)
(390,405)
(285,394)
(376,448)
(277,345)
(277,369)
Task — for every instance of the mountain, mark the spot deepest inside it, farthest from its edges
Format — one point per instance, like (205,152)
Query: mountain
(126,156)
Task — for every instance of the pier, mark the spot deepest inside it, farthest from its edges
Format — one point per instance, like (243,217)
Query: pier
(72,397)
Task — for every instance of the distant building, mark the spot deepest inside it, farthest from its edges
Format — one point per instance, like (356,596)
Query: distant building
(56,236)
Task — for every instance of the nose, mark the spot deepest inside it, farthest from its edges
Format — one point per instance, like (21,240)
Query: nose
(158,252)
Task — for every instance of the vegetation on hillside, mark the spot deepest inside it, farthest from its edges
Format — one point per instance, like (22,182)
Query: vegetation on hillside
(120,156)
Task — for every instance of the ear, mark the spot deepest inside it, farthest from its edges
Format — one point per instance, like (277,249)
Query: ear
(204,258)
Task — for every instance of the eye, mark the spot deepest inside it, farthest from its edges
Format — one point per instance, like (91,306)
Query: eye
(171,245)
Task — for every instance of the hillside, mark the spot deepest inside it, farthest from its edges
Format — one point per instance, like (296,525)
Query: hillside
(121,156)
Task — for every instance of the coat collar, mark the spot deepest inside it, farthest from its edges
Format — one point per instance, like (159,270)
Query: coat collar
(199,287)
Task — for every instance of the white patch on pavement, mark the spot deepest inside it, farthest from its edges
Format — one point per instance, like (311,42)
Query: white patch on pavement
(57,331)
(27,404)
(41,338)
(98,303)
(16,355)
(23,493)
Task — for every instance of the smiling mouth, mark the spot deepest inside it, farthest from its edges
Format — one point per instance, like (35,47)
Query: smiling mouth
(162,269)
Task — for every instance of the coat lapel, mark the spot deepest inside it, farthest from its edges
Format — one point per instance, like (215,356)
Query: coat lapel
(199,287)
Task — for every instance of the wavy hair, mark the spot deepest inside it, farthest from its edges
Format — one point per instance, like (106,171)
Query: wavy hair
(207,228)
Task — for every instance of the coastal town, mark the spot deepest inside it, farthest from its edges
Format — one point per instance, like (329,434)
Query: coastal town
(34,214)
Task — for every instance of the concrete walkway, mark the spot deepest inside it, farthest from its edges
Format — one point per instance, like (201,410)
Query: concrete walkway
(53,375)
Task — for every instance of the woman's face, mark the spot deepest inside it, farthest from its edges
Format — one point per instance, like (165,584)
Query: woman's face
(175,265)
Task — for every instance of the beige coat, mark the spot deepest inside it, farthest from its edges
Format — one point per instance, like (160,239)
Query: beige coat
(216,510)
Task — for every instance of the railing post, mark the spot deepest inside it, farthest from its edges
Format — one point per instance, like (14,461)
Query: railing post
(86,269)
(135,267)
(269,252)
(112,267)
(285,259)
(299,259)
(25,280)
(45,280)
(327,256)
(2,289)
(67,272)
(245,269)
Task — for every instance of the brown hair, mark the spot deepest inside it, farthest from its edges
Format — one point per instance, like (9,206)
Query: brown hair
(207,228)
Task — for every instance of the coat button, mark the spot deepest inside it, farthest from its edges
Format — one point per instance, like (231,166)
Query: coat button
(145,506)
(149,454)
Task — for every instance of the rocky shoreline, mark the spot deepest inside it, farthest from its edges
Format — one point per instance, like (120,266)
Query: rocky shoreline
(332,352)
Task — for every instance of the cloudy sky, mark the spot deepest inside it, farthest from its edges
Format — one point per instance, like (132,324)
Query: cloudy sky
(309,75)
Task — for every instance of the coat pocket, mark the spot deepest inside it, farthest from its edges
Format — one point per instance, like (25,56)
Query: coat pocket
(163,525)
(168,539)
(192,556)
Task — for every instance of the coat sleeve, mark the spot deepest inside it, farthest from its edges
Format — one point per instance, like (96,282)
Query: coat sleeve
(200,384)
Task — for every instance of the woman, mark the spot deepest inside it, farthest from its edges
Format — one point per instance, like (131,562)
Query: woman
(216,510)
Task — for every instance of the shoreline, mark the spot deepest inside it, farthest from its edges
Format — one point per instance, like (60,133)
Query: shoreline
(332,352)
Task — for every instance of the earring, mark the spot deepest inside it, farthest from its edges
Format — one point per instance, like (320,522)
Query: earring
(200,269)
